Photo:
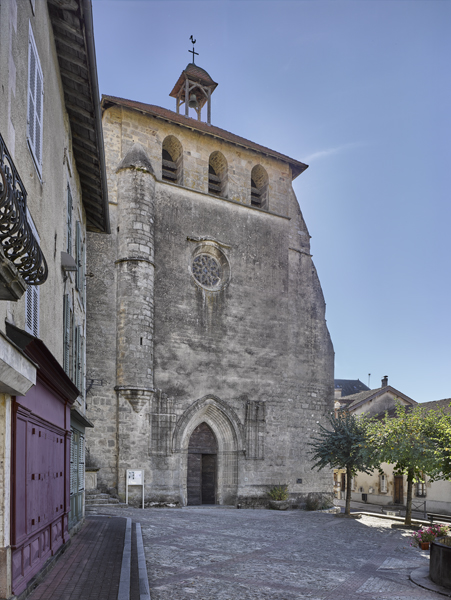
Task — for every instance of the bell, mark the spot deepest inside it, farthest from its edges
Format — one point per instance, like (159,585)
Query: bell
(193,103)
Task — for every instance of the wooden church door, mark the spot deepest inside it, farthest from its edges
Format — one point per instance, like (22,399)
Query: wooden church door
(202,466)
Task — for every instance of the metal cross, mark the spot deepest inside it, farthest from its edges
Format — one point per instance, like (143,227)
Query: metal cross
(192,51)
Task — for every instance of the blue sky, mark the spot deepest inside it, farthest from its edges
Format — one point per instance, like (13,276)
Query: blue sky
(360,91)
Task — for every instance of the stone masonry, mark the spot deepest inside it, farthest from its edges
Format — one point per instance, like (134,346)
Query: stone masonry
(204,308)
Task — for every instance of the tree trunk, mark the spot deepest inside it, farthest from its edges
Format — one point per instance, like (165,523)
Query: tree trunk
(408,519)
(348,491)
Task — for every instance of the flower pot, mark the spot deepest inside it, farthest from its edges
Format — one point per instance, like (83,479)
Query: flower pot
(279,504)
(424,545)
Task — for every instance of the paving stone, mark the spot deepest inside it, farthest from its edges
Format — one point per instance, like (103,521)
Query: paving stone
(223,554)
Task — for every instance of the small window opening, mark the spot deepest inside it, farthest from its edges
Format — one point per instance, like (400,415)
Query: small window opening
(421,489)
(259,187)
(217,175)
(172,160)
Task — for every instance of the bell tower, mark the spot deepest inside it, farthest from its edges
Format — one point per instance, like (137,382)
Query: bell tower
(194,88)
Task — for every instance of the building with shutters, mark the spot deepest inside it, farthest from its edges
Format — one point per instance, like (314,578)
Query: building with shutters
(386,486)
(210,362)
(52,190)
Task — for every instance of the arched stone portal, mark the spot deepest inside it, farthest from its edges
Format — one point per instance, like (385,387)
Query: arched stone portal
(227,429)
(202,465)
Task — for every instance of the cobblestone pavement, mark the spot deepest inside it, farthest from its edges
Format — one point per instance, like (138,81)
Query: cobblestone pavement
(218,553)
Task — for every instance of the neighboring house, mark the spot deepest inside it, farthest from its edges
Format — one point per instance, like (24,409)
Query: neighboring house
(52,189)
(388,487)
(347,387)
(210,359)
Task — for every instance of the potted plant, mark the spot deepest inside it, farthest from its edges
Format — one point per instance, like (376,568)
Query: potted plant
(278,495)
(424,536)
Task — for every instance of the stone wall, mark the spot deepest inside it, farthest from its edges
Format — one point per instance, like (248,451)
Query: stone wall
(250,355)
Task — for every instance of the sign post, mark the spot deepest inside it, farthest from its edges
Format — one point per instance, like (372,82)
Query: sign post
(134,477)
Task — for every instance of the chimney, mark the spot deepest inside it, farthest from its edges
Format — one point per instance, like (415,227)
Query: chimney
(384,381)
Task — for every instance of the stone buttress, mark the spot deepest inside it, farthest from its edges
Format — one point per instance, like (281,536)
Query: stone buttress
(135,308)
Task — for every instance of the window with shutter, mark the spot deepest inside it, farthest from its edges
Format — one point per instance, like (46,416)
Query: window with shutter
(81,463)
(32,294)
(78,255)
(80,259)
(35,102)
(73,462)
(75,355)
(83,273)
(69,221)
(383,484)
(67,319)
(82,361)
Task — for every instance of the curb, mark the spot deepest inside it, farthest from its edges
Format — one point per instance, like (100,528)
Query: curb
(124,582)
(420,577)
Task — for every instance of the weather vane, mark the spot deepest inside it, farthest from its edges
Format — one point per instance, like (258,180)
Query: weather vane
(192,51)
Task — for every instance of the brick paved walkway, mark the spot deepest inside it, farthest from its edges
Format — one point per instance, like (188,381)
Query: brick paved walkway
(227,554)
(91,567)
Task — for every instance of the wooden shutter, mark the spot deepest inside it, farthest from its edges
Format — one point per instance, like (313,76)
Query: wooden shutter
(69,221)
(81,463)
(75,377)
(67,318)
(82,366)
(32,294)
(83,273)
(73,462)
(35,102)
(79,260)
(32,310)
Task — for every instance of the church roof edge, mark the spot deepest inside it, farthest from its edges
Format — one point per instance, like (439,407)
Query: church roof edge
(297,166)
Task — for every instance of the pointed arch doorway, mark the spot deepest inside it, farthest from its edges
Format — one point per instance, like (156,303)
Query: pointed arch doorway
(202,466)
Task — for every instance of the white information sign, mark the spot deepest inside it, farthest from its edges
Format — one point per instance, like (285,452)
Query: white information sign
(134,477)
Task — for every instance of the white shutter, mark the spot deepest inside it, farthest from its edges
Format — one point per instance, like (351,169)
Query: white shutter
(32,294)
(35,102)
(383,484)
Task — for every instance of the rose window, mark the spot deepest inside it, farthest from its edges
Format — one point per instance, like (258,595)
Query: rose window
(206,270)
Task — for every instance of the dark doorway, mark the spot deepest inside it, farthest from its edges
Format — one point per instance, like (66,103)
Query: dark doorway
(398,497)
(202,455)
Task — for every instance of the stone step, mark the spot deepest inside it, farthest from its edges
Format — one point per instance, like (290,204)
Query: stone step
(106,500)
(93,495)
(94,507)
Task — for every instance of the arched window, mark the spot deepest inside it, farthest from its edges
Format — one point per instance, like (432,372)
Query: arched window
(172,159)
(217,174)
(259,187)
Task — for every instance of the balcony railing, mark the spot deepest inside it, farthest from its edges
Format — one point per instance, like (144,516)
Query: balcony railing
(16,238)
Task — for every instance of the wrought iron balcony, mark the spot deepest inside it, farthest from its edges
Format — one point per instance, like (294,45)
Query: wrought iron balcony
(16,238)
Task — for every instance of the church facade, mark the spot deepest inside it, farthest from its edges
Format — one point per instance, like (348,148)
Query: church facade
(209,359)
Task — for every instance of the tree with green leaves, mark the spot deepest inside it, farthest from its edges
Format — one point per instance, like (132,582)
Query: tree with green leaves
(416,441)
(344,446)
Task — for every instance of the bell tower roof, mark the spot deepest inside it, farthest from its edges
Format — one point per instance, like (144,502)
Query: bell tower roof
(194,88)
(194,73)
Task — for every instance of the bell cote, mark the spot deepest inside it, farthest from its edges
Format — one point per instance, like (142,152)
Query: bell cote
(194,88)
